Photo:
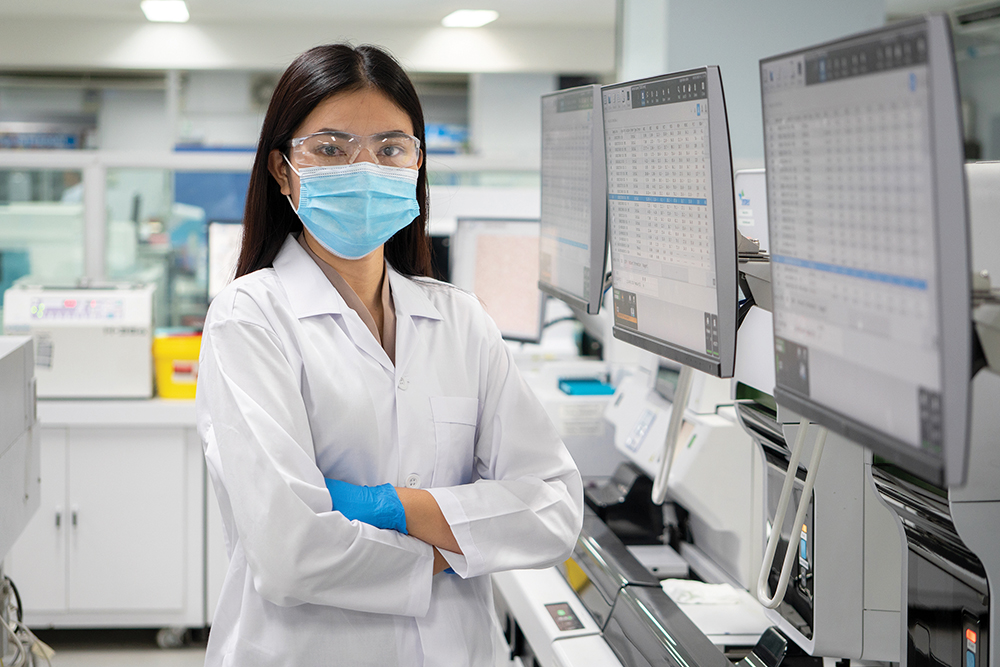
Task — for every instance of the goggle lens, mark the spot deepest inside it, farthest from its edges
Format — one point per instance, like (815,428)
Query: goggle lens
(324,149)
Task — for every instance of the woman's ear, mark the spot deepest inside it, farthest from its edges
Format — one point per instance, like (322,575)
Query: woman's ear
(279,170)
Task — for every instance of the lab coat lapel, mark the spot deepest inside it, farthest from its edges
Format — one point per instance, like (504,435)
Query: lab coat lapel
(310,294)
(413,308)
(309,291)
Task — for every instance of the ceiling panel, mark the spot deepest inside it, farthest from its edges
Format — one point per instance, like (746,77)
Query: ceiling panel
(512,12)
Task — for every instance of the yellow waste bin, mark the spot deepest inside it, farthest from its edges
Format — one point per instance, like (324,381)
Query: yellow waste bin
(175,357)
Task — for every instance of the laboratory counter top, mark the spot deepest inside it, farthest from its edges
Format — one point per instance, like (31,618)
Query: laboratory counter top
(109,412)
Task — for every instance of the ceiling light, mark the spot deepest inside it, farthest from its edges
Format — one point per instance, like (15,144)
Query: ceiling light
(469,18)
(172,11)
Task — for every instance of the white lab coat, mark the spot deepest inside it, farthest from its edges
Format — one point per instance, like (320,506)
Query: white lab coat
(293,388)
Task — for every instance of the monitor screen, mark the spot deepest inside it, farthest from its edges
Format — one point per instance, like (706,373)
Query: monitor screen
(869,242)
(672,218)
(573,244)
(497,260)
(223,250)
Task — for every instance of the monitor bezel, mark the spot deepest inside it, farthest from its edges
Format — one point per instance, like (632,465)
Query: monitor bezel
(514,337)
(598,206)
(953,274)
(723,207)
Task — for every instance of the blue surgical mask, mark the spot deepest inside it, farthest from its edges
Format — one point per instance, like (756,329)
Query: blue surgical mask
(353,209)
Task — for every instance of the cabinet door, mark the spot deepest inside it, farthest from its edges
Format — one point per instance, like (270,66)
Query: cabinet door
(127,541)
(37,563)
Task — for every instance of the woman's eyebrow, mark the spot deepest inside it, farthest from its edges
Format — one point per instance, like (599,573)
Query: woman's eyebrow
(332,130)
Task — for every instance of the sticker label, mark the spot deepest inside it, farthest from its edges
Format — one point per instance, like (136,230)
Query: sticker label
(184,372)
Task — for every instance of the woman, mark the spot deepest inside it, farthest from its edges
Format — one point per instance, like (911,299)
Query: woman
(374,451)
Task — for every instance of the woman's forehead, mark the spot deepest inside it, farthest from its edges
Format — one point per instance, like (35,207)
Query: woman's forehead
(365,111)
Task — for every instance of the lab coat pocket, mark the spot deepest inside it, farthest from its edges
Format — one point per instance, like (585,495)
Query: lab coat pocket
(455,438)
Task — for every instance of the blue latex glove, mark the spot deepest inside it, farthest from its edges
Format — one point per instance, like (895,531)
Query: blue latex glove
(375,505)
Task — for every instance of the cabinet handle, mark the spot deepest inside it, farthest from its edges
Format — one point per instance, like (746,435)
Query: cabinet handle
(58,518)
(74,518)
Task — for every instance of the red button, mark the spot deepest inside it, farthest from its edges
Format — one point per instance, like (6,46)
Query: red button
(970,634)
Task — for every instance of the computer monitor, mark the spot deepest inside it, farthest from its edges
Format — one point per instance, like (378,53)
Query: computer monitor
(573,243)
(672,218)
(224,238)
(869,242)
(497,260)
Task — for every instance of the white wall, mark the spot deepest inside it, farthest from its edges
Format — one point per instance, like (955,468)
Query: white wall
(216,109)
(644,38)
(505,114)
(734,36)
(134,120)
(21,102)
(979,82)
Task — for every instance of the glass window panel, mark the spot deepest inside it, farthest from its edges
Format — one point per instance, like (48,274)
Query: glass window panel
(157,232)
(41,227)
(137,245)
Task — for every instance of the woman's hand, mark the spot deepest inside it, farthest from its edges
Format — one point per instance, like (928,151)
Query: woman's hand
(376,505)
(412,512)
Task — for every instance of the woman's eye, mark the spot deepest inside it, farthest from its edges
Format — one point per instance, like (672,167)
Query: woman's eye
(392,151)
(330,150)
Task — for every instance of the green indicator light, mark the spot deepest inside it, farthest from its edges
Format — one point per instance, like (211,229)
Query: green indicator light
(561,612)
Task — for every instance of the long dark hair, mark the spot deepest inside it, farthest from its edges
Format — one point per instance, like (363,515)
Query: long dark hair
(313,77)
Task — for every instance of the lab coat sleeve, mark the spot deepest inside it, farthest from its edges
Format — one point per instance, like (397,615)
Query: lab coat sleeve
(298,550)
(526,510)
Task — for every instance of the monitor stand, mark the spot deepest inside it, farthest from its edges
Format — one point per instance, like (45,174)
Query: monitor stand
(951,566)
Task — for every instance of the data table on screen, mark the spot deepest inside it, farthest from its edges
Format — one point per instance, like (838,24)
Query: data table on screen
(853,182)
(572,245)
(660,209)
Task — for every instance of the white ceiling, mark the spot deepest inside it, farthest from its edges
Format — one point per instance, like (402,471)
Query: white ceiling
(529,36)
(395,12)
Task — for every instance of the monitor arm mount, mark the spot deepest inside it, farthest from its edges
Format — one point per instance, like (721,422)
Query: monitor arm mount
(986,324)
(754,276)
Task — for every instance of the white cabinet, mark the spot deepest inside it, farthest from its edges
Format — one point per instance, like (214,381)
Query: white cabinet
(119,537)
(37,563)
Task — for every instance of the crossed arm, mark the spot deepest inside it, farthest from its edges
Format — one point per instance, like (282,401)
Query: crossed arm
(426,522)
(414,512)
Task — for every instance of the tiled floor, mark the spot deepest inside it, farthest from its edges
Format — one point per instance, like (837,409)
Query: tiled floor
(118,648)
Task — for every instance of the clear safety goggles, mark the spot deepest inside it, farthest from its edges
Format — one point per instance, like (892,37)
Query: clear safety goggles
(328,149)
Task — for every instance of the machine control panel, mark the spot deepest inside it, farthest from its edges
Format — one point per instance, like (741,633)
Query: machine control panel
(971,643)
(66,308)
(564,617)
